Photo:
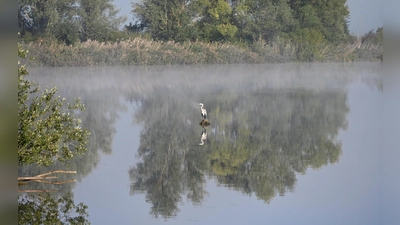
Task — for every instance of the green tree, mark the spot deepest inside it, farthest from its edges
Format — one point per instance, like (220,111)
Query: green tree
(166,19)
(215,20)
(318,22)
(379,35)
(47,129)
(308,41)
(69,20)
(99,19)
(373,37)
(262,20)
(52,18)
(326,17)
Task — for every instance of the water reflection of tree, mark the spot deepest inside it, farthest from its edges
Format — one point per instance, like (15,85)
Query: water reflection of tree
(261,139)
(170,166)
(271,136)
(50,209)
(102,109)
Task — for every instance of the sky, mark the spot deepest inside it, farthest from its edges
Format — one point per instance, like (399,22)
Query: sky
(365,15)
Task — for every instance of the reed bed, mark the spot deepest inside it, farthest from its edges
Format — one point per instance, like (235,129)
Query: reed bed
(140,51)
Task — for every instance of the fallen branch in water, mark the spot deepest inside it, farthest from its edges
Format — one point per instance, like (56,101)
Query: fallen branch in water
(43,178)
(43,175)
(38,191)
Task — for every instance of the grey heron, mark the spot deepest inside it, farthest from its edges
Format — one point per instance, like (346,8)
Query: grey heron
(203,111)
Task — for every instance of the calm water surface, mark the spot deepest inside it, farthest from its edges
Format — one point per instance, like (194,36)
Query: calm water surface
(286,144)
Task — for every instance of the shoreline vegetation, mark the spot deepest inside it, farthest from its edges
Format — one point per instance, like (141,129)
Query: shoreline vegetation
(142,51)
(88,32)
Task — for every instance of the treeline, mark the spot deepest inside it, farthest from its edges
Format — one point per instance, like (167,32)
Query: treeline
(308,27)
(68,21)
(242,20)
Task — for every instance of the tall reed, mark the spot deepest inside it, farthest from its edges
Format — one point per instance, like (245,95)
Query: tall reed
(140,51)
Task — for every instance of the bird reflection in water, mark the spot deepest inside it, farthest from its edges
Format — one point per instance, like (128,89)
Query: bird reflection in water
(203,136)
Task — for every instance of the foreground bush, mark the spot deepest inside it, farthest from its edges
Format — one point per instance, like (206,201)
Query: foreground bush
(48,130)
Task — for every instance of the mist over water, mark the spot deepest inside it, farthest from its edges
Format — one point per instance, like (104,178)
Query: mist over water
(195,81)
(281,136)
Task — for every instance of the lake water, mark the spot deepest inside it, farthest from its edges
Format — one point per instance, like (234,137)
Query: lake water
(286,144)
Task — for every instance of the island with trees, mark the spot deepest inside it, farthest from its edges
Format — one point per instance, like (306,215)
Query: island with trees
(89,32)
